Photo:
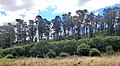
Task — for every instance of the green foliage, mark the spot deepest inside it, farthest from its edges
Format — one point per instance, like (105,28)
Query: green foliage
(6,51)
(63,54)
(14,53)
(94,52)
(51,54)
(84,40)
(19,51)
(109,49)
(70,47)
(0,56)
(83,49)
(42,47)
(9,56)
(80,47)
(27,48)
(33,52)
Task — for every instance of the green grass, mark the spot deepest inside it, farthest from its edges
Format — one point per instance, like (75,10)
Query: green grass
(6,62)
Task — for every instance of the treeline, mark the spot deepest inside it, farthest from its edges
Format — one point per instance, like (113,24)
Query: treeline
(82,25)
(82,47)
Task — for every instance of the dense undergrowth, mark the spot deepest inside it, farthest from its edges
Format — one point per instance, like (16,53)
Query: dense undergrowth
(81,47)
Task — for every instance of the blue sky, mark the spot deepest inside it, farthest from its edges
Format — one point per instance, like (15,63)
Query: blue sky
(28,9)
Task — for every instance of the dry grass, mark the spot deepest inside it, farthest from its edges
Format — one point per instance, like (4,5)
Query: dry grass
(70,61)
(6,62)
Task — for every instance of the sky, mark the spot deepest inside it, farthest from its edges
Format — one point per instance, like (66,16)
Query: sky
(28,9)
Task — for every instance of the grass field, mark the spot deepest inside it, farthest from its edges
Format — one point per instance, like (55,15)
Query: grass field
(71,61)
(113,60)
(6,62)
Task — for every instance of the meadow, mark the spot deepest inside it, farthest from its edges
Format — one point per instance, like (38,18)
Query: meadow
(109,60)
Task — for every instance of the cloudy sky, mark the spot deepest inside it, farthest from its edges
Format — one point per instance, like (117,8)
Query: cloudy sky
(28,9)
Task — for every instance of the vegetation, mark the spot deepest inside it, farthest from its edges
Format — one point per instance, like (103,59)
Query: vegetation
(72,47)
(109,49)
(75,35)
(83,34)
(6,62)
(68,61)
(94,52)
(83,25)
(51,54)
(63,54)
(0,56)
(83,49)
(9,56)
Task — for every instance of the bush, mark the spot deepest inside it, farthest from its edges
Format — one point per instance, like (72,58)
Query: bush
(83,49)
(9,56)
(6,51)
(40,55)
(33,52)
(14,53)
(51,54)
(0,56)
(42,47)
(62,54)
(94,52)
(70,47)
(109,49)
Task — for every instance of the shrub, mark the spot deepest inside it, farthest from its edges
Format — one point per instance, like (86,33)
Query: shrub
(94,52)
(70,47)
(6,51)
(51,54)
(9,56)
(42,47)
(0,56)
(19,51)
(40,55)
(33,52)
(109,49)
(83,49)
(14,53)
(63,54)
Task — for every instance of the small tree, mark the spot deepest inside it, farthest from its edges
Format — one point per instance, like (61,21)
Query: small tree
(83,49)
(109,49)
(94,52)
(51,54)
(9,56)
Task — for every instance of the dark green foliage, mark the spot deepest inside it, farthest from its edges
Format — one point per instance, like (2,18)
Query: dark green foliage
(114,41)
(7,51)
(94,52)
(51,54)
(1,50)
(70,47)
(83,49)
(42,47)
(80,47)
(63,54)
(27,48)
(9,56)
(109,49)
(0,56)
(14,53)
(19,51)
(33,52)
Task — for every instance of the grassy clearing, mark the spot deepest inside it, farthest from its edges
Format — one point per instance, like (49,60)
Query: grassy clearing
(6,62)
(113,60)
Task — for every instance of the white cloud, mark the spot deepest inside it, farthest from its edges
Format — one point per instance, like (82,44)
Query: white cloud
(90,5)
(97,4)
(30,8)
